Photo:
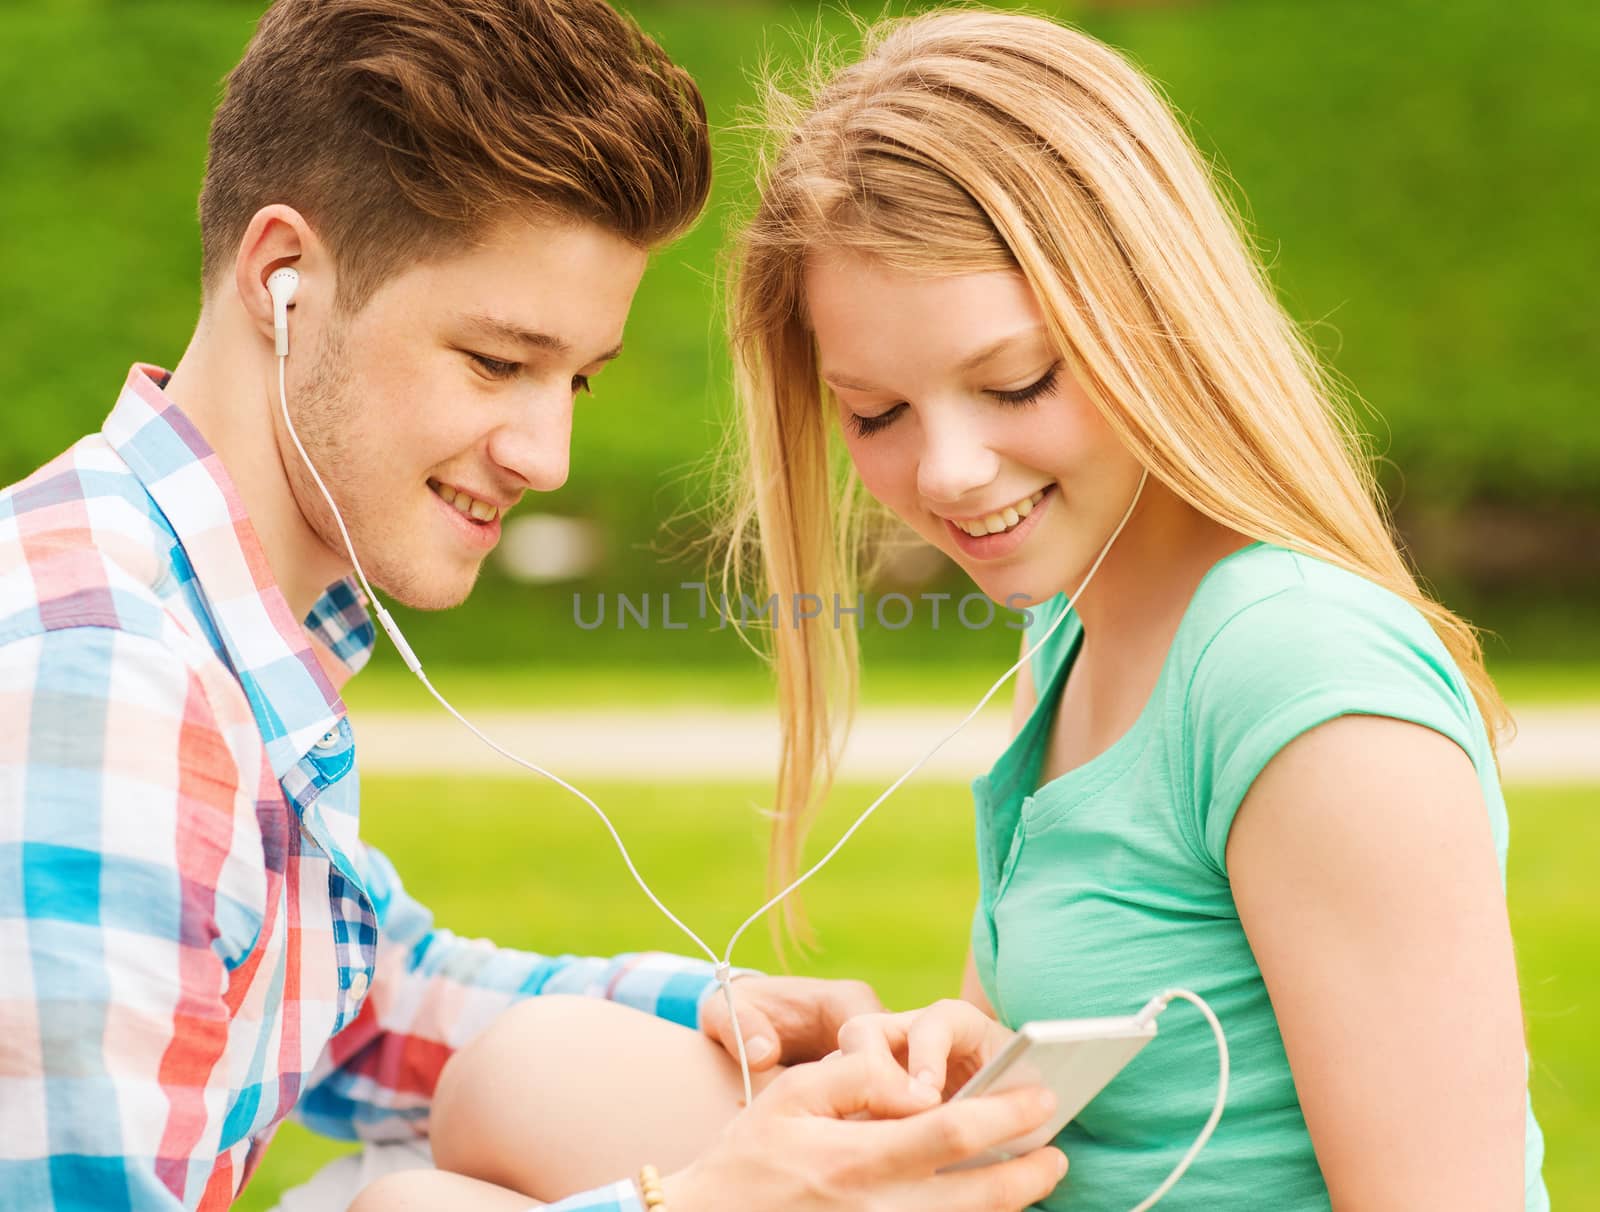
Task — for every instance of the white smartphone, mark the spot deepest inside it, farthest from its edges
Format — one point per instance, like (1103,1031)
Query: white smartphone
(1074,1057)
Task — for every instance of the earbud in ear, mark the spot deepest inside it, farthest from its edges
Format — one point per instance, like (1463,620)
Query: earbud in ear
(281,285)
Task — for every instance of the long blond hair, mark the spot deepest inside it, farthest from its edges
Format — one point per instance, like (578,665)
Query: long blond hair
(967,141)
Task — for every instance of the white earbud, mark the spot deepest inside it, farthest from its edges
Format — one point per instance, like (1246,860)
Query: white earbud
(281,285)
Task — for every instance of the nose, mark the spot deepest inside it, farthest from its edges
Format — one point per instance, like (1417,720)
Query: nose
(535,446)
(956,459)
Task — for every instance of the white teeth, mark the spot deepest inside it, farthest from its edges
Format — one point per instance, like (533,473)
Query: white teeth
(996,523)
(470,506)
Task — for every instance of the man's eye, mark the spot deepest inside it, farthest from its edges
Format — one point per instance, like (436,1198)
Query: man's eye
(495,368)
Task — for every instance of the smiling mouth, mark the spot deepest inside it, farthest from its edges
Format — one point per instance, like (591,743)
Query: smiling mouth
(463,503)
(1002,520)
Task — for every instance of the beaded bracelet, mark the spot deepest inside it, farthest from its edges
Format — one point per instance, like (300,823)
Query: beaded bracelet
(655,1199)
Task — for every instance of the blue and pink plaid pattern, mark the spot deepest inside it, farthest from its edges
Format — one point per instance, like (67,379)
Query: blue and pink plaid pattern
(194,941)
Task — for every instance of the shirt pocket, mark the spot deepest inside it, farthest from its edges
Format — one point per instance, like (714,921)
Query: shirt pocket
(338,932)
(355,946)
(330,816)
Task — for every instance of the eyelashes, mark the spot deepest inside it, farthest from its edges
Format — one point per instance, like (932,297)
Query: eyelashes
(495,368)
(1043,386)
(865,427)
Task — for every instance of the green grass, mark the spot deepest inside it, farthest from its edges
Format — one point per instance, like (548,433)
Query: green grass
(1555,918)
(390,687)
(1547,684)
(1410,180)
(395,689)
(531,867)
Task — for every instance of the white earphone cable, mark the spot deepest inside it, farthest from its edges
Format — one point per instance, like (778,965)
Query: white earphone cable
(723,968)
(1155,1006)
(940,744)
(394,633)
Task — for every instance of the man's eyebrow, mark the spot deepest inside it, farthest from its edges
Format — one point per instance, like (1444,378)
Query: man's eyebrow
(504,330)
(970,363)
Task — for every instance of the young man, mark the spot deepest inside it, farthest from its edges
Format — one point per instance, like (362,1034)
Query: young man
(194,941)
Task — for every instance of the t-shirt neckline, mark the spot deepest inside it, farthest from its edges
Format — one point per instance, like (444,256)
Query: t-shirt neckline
(1030,744)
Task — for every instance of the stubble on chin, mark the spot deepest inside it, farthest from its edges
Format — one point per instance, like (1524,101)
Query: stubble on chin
(414,593)
(326,416)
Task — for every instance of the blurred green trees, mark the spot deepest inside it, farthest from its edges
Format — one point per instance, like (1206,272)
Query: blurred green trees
(1421,178)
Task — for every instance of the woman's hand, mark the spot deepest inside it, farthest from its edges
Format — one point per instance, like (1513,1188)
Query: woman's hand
(855,1132)
(786,1019)
(940,1046)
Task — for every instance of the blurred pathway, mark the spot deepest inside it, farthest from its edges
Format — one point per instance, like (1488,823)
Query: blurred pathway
(1553,744)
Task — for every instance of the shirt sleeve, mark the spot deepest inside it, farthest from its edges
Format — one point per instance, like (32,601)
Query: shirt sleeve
(1286,664)
(125,899)
(617,1197)
(433,991)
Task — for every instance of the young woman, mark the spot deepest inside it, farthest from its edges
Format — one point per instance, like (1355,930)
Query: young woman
(1255,759)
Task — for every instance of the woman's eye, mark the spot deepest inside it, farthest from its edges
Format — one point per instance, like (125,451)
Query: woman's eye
(581,383)
(1027,395)
(495,368)
(865,427)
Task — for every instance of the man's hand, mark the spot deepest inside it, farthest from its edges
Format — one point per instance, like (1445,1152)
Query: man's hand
(941,1046)
(798,1147)
(786,1019)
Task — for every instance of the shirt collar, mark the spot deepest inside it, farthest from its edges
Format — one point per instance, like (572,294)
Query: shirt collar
(290,672)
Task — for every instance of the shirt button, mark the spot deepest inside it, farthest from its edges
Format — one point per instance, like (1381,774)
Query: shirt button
(329,740)
(358,986)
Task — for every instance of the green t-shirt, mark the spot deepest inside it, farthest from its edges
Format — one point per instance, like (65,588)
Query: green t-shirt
(1110,883)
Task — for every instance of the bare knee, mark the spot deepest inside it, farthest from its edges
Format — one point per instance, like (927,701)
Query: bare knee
(392,1193)
(562,1093)
(502,1099)
(504,1066)
(403,1191)
(430,1190)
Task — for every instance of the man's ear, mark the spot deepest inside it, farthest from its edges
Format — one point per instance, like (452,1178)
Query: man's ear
(278,235)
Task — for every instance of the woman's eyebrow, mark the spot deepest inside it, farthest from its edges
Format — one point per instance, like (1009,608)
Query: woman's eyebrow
(844,381)
(971,362)
(1001,346)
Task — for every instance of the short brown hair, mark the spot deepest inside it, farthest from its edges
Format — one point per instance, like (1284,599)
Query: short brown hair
(399,128)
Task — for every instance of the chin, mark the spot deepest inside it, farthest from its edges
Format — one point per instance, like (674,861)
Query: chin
(1009,596)
(997,583)
(424,591)
(436,597)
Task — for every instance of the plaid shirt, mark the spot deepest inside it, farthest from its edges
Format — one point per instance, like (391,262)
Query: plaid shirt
(194,941)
